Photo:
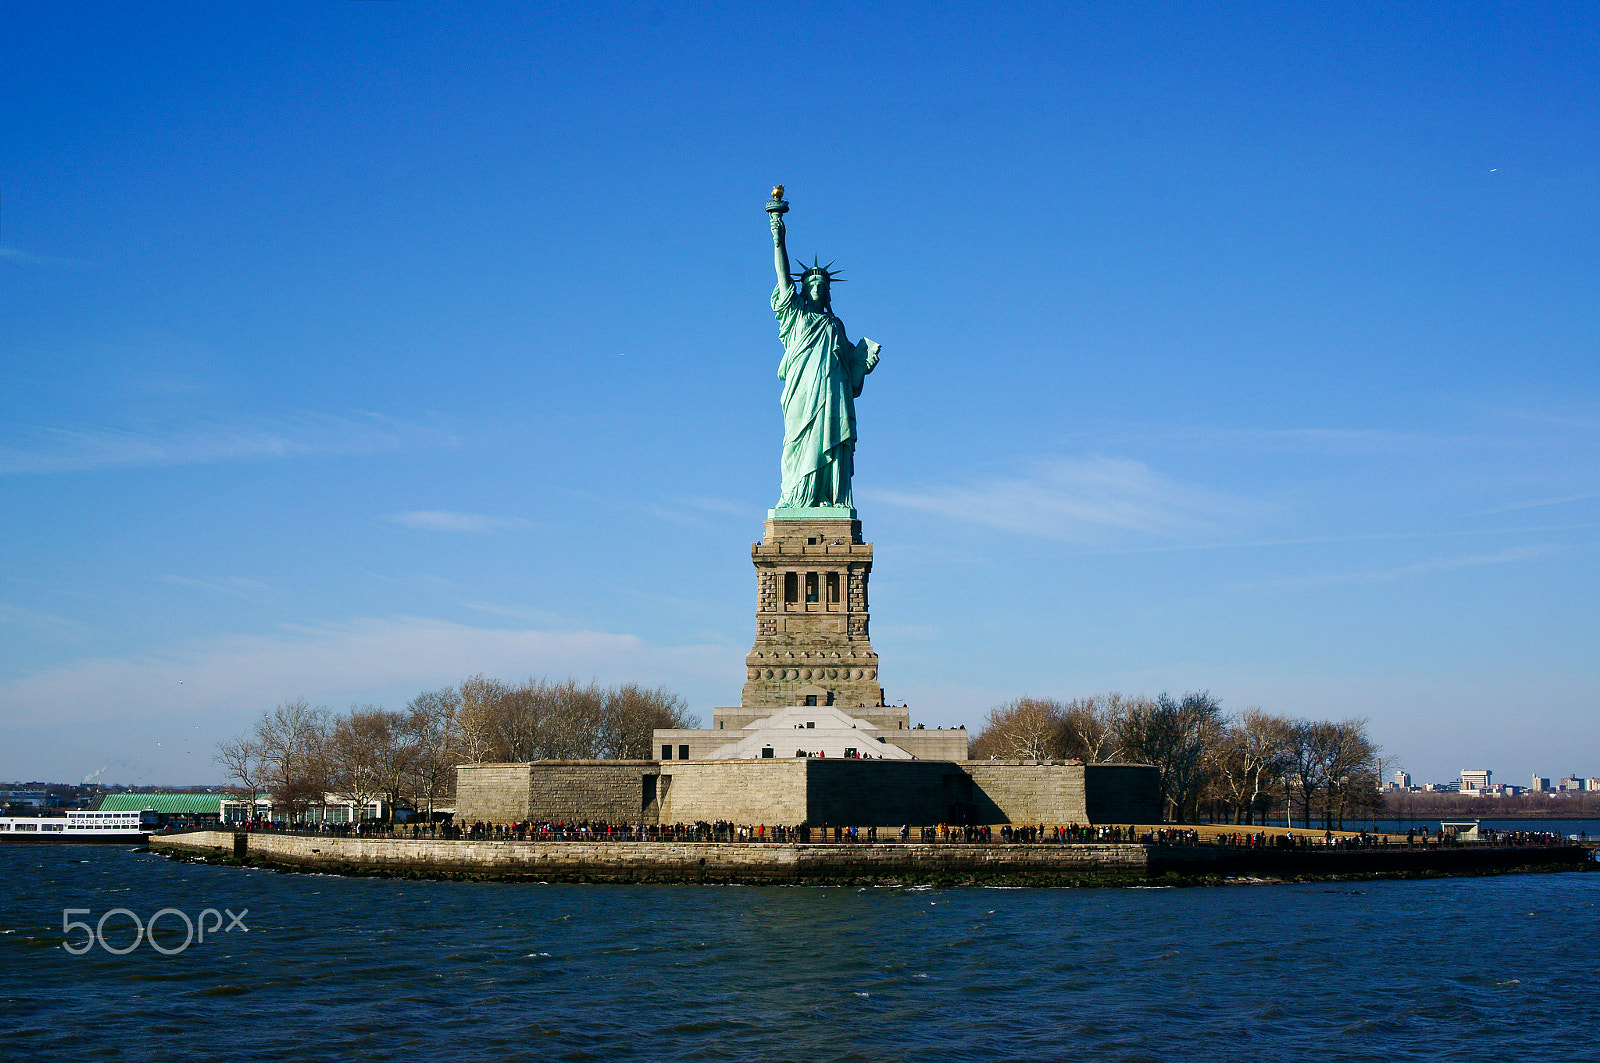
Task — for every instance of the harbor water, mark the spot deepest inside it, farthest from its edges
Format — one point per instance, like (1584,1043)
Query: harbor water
(1573,829)
(1565,828)
(301,966)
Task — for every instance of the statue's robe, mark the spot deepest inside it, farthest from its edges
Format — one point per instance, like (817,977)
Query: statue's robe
(822,374)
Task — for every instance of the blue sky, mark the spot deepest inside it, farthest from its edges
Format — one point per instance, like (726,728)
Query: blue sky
(352,349)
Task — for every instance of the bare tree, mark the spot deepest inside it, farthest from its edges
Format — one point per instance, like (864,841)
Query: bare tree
(1306,770)
(300,754)
(1351,771)
(1091,727)
(518,724)
(571,716)
(540,719)
(370,756)
(477,717)
(1027,729)
(241,759)
(433,729)
(1253,752)
(1177,737)
(630,716)
(292,741)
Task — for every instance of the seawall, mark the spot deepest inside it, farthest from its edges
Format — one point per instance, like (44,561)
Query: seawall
(950,863)
(814,790)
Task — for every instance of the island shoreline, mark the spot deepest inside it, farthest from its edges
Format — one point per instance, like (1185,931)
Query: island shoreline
(828,864)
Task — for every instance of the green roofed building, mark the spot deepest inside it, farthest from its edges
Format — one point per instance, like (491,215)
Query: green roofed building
(231,808)
(199,808)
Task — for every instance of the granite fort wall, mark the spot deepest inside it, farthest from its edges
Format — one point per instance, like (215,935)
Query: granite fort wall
(816,790)
(1122,793)
(808,790)
(1012,791)
(616,791)
(610,790)
(708,861)
(492,793)
(1015,791)
(743,791)
(931,743)
(886,793)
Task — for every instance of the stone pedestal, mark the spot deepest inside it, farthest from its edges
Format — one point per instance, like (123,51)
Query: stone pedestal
(812,621)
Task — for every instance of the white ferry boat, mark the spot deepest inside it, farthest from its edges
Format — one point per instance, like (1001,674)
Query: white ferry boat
(125,827)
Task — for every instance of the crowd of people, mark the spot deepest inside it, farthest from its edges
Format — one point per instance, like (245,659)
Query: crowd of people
(601,831)
(367,828)
(1535,837)
(843,834)
(1006,834)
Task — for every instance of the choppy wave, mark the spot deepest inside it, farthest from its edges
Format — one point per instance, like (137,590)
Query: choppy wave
(364,969)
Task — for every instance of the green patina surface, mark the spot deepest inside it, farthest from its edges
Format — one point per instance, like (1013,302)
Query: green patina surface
(844,513)
(822,374)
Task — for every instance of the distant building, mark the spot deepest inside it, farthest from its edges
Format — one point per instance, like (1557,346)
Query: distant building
(1592,784)
(1571,784)
(242,809)
(1476,780)
(1540,785)
(334,809)
(29,798)
(185,808)
(1402,780)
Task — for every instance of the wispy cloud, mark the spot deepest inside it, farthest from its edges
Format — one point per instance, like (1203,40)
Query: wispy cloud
(536,616)
(725,506)
(1540,503)
(1080,499)
(447,521)
(1400,572)
(23,258)
(336,664)
(47,449)
(1566,414)
(697,511)
(226,585)
(426,581)
(57,627)
(675,516)
(1350,441)
(1323,441)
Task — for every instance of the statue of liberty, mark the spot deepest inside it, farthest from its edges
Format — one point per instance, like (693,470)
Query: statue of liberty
(822,373)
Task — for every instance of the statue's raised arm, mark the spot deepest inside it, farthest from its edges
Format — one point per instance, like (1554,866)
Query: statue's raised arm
(822,374)
(776,208)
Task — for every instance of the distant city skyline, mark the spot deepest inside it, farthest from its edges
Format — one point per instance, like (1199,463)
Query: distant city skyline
(1481,781)
(351,353)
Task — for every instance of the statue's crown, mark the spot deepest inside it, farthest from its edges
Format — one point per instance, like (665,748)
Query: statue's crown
(815,270)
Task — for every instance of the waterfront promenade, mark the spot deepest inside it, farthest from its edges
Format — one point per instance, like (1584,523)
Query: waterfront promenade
(885,862)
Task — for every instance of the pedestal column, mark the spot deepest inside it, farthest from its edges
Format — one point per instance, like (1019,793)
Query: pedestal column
(812,618)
